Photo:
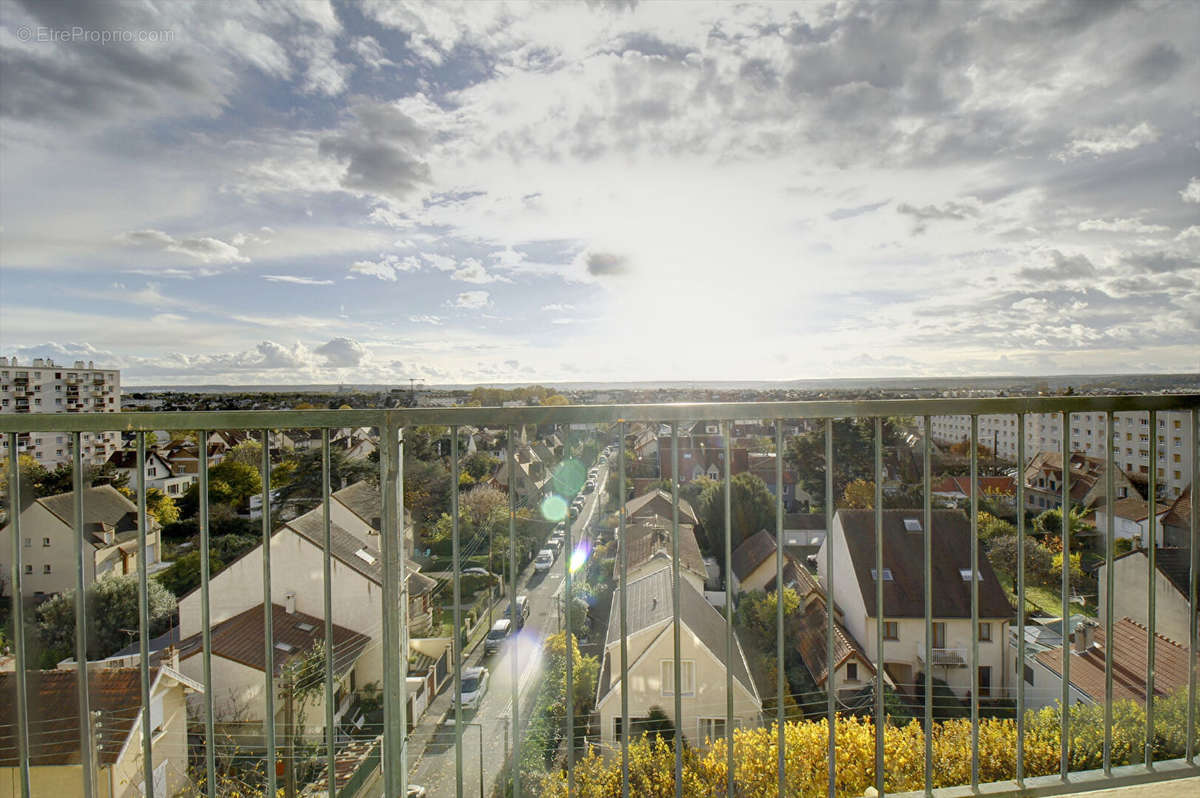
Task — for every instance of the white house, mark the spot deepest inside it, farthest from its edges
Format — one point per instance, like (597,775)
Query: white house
(158,472)
(1131,575)
(853,589)
(49,540)
(115,693)
(651,674)
(1131,519)
(650,548)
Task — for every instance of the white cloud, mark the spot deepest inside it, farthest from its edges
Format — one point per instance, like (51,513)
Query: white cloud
(472,271)
(1191,192)
(386,268)
(425,319)
(472,300)
(1121,225)
(1109,140)
(558,307)
(205,249)
(295,280)
(342,353)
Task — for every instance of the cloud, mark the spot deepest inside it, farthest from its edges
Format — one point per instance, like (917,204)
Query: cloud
(342,353)
(386,268)
(1160,262)
(954,211)
(295,280)
(380,149)
(426,319)
(471,300)
(1123,225)
(1191,192)
(557,308)
(205,249)
(472,271)
(370,53)
(604,264)
(1108,140)
(1062,267)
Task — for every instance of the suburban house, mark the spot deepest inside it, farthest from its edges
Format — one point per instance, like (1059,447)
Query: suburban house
(239,665)
(55,766)
(50,542)
(1131,574)
(1044,474)
(1043,673)
(657,503)
(650,549)
(700,457)
(526,485)
(803,535)
(1177,522)
(651,675)
(853,589)
(1002,490)
(158,472)
(763,467)
(754,566)
(1131,520)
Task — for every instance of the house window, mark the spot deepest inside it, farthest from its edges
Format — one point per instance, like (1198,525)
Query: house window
(712,728)
(985,681)
(1176,457)
(46,568)
(45,542)
(28,569)
(28,542)
(852,671)
(1028,675)
(939,634)
(687,677)
(156,713)
(891,630)
(985,633)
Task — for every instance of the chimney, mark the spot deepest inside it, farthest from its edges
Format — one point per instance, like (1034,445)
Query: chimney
(1083,637)
(1137,541)
(289,603)
(171,657)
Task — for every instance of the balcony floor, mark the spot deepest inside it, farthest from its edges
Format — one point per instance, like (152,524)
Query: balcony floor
(1162,789)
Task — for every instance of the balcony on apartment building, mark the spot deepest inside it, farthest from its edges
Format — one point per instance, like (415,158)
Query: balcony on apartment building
(851,710)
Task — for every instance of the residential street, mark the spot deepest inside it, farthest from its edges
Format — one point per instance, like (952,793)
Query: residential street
(431,746)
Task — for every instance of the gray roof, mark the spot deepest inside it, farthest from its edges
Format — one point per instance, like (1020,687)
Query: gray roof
(103,506)
(650,604)
(903,594)
(638,504)
(364,500)
(344,545)
(752,553)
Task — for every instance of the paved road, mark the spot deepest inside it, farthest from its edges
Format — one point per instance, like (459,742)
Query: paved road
(431,746)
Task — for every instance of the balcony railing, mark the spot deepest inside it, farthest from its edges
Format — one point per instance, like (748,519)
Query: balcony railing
(945,657)
(788,777)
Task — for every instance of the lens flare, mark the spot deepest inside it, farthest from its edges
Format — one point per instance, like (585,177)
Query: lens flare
(569,477)
(579,556)
(554,507)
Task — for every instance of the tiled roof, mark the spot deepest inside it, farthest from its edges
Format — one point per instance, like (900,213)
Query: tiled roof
(804,521)
(1129,664)
(638,506)
(53,699)
(987,485)
(811,643)
(344,547)
(1180,513)
(649,540)
(752,553)
(102,505)
(240,639)
(903,594)
(650,604)
(364,500)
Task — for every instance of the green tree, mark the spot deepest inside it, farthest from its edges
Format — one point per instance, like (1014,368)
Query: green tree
(1039,561)
(752,507)
(243,480)
(183,575)
(479,465)
(305,487)
(992,527)
(161,506)
(853,454)
(248,452)
(31,476)
(112,611)
(859,495)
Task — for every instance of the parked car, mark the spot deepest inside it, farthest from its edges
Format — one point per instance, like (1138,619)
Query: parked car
(519,610)
(474,687)
(573,513)
(417,791)
(476,571)
(497,635)
(589,486)
(544,560)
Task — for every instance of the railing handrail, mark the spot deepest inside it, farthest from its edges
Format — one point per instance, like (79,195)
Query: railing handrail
(591,414)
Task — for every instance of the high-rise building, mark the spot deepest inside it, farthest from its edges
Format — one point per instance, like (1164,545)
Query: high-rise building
(1130,440)
(47,387)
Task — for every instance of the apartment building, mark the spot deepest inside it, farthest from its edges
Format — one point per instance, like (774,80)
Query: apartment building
(1130,436)
(47,387)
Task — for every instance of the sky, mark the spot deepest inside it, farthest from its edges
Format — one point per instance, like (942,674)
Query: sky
(375,191)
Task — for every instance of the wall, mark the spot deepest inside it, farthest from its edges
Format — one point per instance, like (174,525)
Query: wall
(36,523)
(1129,598)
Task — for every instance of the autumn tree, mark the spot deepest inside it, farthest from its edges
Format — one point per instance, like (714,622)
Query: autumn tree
(859,495)
(751,505)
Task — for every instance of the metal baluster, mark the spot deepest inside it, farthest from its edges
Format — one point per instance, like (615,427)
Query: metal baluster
(1021,600)
(880,721)
(86,745)
(1193,578)
(210,735)
(830,676)
(780,675)
(269,617)
(730,765)
(515,618)
(327,590)
(975,602)
(458,632)
(675,609)
(569,639)
(144,618)
(1109,643)
(1152,597)
(18,612)
(622,544)
(395,623)
(1065,698)
(927,566)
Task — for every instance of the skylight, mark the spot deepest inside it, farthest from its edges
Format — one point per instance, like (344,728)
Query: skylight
(912,524)
(305,627)
(365,556)
(965,573)
(887,574)
(286,648)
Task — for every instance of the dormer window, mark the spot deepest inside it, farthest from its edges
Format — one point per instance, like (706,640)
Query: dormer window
(912,524)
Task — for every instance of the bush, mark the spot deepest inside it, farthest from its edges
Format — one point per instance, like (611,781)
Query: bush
(112,608)
(1039,562)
